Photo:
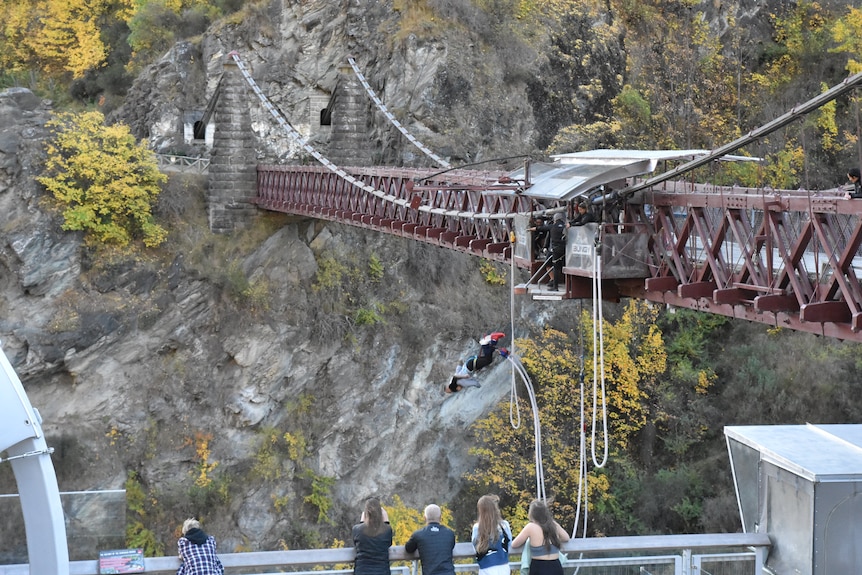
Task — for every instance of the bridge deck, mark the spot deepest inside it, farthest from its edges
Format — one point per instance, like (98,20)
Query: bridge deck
(782,257)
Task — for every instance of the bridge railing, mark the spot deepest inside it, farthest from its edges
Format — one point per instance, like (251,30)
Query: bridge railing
(172,162)
(666,555)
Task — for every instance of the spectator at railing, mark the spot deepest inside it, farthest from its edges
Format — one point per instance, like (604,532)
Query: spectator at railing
(491,537)
(546,537)
(372,538)
(197,551)
(435,544)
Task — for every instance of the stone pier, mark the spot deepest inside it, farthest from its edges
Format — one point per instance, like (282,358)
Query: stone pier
(349,143)
(233,166)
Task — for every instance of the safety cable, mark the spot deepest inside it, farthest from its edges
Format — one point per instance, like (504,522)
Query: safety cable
(389,116)
(47,451)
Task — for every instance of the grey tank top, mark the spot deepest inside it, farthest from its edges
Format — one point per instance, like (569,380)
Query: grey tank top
(542,550)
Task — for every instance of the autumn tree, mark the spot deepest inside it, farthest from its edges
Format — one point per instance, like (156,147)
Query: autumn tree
(105,181)
(405,520)
(561,369)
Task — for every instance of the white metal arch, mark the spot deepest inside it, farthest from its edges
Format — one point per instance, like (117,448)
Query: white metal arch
(22,439)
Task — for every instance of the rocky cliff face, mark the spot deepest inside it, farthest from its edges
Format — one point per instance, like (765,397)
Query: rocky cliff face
(241,358)
(465,102)
(230,376)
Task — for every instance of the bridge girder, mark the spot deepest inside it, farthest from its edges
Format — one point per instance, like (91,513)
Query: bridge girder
(779,257)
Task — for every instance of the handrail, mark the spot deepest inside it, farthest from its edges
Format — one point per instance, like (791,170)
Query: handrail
(183,163)
(265,559)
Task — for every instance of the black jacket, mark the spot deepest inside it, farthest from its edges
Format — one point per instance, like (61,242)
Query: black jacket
(557,231)
(435,543)
(587,217)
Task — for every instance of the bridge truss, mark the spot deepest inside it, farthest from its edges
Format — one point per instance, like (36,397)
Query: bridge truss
(784,258)
(468,211)
(780,257)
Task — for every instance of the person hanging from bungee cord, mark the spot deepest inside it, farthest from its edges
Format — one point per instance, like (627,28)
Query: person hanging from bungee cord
(463,376)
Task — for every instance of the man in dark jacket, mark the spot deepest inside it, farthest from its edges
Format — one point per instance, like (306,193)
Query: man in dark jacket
(435,544)
(557,231)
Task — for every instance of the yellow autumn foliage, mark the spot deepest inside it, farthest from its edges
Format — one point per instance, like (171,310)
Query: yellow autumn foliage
(103,179)
(561,370)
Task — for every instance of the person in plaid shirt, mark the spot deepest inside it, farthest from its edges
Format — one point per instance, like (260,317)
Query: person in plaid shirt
(197,551)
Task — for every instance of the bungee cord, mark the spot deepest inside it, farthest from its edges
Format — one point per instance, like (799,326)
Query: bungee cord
(518,368)
(583,491)
(514,412)
(598,356)
(537,428)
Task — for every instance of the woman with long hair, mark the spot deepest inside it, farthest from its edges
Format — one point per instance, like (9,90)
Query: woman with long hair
(491,537)
(545,538)
(372,538)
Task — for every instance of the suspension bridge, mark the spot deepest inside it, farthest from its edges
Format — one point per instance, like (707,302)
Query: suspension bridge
(781,257)
(787,258)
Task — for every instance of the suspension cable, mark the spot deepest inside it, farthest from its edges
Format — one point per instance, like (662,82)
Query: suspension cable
(303,143)
(382,107)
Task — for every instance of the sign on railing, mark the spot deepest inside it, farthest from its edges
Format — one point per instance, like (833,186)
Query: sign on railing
(117,561)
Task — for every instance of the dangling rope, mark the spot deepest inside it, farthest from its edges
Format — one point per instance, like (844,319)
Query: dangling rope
(583,491)
(598,355)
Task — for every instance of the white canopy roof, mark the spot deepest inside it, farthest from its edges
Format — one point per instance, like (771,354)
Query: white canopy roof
(574,175)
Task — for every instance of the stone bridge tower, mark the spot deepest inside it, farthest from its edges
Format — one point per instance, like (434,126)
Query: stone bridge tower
(233,166)
(349,143)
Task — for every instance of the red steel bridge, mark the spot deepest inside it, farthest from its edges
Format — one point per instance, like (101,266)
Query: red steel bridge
(780,257)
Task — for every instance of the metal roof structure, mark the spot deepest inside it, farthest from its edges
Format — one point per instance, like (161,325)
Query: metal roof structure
(800,484)
(575,175)
(818,453)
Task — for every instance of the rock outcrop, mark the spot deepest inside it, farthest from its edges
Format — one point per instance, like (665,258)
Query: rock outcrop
(230,358)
